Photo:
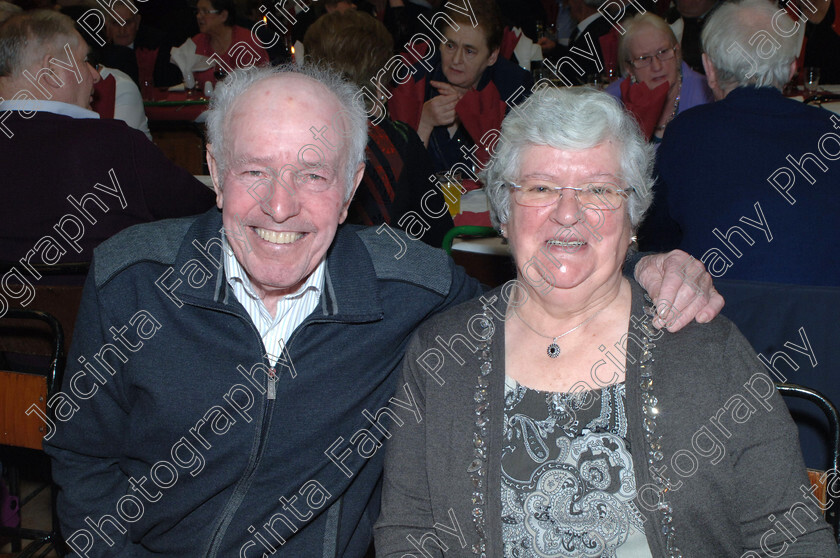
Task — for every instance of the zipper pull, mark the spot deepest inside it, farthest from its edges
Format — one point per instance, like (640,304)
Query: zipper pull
(272,384)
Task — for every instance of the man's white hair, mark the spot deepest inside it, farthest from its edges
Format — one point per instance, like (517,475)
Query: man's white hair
(239,82)
(727,36)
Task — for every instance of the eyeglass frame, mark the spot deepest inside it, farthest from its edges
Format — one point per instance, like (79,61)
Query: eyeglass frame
(658,54)
(202,11)
(559,190)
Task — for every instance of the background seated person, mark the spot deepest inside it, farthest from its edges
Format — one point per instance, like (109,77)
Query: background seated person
(530,439)
(397,165)
(650,56)
(751,182)
(127,101)
(149,60)
(688,18)
(738,145)
(467,93)
(585,37)
(219,36)
(56,150)
(116,95)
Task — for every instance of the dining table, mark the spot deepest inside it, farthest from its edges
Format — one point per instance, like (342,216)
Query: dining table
(176,124)
(826,96)
(179,105)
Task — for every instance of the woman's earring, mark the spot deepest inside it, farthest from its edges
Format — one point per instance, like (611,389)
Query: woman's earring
(633,79)
(633,239)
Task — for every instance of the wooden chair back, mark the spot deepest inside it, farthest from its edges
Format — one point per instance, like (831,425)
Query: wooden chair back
(20,425)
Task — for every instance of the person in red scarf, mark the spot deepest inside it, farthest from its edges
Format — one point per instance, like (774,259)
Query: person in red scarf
(220,38)
(658,84)
(466,95)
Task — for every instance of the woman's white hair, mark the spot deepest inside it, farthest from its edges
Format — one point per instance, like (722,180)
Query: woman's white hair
(240,81)
(727,36)
(637,25)
(570,119)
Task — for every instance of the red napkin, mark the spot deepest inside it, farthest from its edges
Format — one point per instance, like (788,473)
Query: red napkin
(509,42)
(479,114)
(146,58)
(645,104)
(104,95)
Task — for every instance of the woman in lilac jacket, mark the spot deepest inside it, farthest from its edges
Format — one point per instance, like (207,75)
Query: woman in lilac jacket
(657,85)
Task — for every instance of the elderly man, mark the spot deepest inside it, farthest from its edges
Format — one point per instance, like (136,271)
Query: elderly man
(752,182)
(232,372)
(754,164)
(88,178)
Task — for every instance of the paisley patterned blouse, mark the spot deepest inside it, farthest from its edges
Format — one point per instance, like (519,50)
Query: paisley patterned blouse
(568,487)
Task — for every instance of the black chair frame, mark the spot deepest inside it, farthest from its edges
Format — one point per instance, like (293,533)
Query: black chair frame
(41,540)
(832,514)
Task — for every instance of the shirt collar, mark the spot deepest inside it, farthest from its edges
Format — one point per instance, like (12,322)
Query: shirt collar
(587,20)
(235,274)
(54,107)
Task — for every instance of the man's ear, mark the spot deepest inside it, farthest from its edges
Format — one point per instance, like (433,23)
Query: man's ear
(493,57)
(792,69)
(214,175)
(357,179)
(711,77)
(53,82)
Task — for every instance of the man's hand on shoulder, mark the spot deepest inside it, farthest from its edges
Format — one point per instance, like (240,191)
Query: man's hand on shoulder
(680,287)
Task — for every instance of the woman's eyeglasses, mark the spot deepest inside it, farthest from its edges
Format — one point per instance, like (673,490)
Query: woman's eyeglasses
(663,55)
(601,195)
(203,11)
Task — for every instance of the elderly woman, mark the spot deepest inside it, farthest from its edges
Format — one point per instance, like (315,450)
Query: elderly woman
(555,420)
(220,37)
(649,55)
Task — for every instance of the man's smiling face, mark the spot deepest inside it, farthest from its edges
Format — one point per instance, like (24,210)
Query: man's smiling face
(282,194)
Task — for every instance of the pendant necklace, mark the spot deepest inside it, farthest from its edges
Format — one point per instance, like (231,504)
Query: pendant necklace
(553,349)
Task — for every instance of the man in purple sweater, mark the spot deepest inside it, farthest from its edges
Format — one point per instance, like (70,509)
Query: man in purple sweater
(71,180)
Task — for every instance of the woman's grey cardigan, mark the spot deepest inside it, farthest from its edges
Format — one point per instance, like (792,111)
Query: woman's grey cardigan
(722,425)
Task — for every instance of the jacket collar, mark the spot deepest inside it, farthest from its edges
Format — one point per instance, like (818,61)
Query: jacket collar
(351,289)
(760,100)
